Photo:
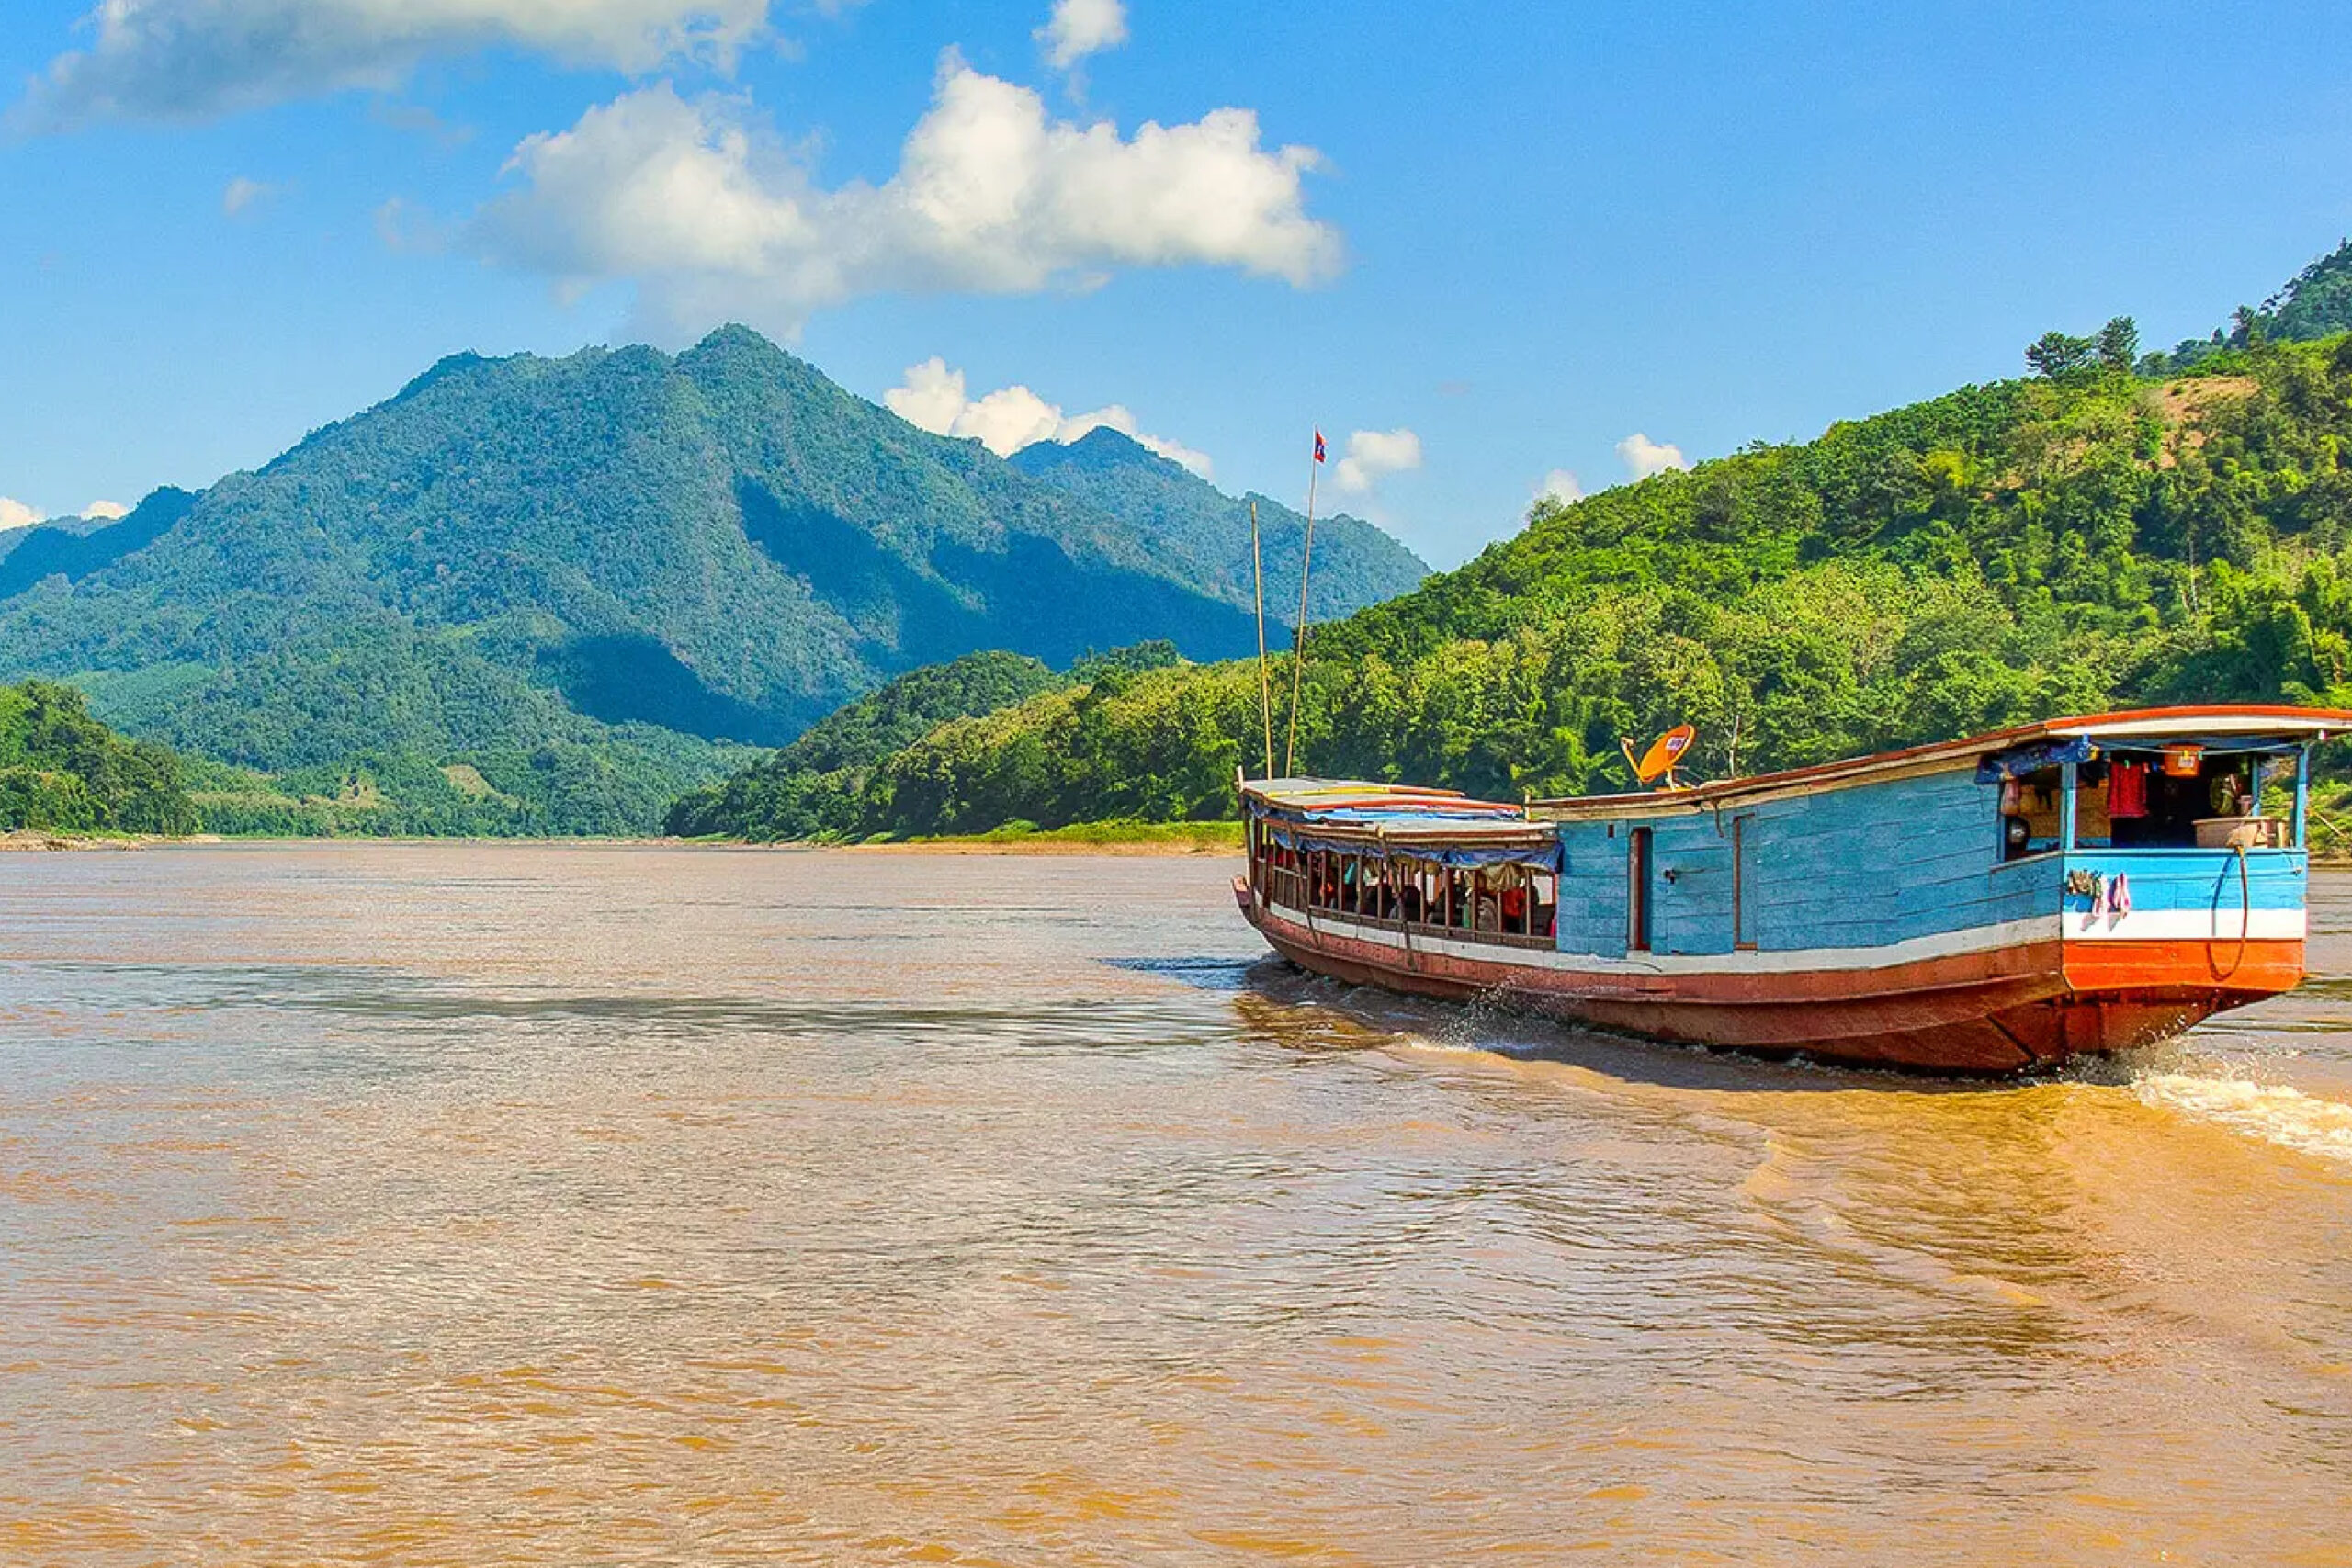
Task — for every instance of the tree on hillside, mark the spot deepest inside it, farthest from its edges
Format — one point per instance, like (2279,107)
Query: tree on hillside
(2317,303)
(2057,355)
(2118,344)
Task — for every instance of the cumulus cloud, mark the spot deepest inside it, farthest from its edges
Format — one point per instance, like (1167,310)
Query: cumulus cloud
(242,193)
(179,59)
(714,219)
(106,511)
(1080,27)
(932,397)
(1559,485)
(1645,456)
(15,514)
(1374,453)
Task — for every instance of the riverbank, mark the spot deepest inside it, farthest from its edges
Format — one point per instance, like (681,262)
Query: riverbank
(1081,838)
(41,839)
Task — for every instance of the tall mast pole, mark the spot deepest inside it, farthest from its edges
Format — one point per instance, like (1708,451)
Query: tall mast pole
(1305,566)
(1265,681)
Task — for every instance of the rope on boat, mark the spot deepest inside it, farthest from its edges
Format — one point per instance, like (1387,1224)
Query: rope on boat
(2245,915)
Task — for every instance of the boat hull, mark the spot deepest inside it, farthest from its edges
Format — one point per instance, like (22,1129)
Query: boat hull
(2003,1009)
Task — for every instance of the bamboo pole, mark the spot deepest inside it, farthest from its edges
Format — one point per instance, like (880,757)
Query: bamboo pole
(1298,650)
(1265,681)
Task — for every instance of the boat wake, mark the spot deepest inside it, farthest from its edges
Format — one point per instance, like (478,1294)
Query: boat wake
(2276,1114)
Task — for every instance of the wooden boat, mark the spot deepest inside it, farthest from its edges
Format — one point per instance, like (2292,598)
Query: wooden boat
(1983,906)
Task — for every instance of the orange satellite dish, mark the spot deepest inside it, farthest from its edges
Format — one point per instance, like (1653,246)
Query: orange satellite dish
(1657,762)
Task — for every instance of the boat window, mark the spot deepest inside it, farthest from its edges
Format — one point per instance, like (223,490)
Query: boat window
(2032,809)
(2182,798)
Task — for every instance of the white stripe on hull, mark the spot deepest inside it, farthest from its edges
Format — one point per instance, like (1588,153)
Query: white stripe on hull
(2225,924)
(2140,925)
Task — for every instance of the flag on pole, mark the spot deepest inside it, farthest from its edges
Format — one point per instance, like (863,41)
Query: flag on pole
(1318,446)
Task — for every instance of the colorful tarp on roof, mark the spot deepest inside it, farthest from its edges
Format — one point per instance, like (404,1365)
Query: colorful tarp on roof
(1351,816)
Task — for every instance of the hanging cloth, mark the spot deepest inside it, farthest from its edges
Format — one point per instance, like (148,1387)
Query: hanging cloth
(2127,789)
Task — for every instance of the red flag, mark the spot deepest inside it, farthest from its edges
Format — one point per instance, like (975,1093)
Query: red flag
(1318,446)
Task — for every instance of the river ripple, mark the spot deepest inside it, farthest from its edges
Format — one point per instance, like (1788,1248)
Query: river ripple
(468,1204)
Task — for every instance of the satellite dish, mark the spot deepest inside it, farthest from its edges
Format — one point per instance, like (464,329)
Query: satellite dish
(1657,762)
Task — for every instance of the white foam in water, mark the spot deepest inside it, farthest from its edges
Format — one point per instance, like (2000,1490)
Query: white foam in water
(2279,1114)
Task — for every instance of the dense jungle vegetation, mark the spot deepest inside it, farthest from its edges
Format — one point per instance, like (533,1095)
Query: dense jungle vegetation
(815,788)
(64,772)
(2110,532)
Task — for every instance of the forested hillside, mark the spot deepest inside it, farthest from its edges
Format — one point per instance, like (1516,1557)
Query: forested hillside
(63,771)
(1208,531)
(530,595)
(814,787)
(2065,543)
(2315,303)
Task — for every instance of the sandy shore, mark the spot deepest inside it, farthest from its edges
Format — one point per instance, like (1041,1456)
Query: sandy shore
(1162,848)
(27,840)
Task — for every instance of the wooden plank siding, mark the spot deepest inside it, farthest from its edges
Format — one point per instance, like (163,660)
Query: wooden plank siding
(1862,866)
(2201,880)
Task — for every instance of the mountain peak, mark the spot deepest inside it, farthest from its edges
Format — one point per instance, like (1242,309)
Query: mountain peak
(450,364)
(1101,450)
(734,337)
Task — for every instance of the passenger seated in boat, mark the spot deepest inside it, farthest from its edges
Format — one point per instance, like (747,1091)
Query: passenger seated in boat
(1514,908)
(1409,902)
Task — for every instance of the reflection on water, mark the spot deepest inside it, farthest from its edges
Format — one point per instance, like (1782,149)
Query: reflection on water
(534,1204)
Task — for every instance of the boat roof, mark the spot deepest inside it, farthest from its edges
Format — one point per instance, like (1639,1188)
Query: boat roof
(2211,722)
(1359,811)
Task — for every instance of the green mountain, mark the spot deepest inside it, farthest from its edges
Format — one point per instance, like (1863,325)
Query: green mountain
(568,589)
(2090,538)
(1205,532)
(63,771)
(815,788)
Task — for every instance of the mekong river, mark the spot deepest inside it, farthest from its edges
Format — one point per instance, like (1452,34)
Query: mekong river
(474,1204)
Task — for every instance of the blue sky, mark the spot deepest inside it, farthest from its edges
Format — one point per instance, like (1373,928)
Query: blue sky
(1502,241)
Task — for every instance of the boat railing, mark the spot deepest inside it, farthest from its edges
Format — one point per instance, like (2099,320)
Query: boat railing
(1288,889)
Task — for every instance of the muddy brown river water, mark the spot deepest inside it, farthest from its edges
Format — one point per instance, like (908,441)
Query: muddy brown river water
(469,1205)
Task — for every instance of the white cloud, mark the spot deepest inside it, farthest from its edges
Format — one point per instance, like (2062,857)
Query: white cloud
(1372,454)
(1559,485)
(1080,27)
(242,193)
(106,511)
(931,398)
(1009,419)
(178,59)
(714,219)
(1645,456)
(15,514)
